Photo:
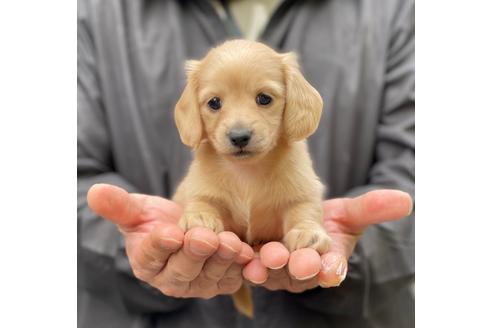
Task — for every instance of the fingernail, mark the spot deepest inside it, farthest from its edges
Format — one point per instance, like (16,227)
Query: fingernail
(341,272)
(279,267)
(243,259)
(258,282)
(336,264)
(229,254)
(307,277)
(170,243)
(328,263)
(201,247)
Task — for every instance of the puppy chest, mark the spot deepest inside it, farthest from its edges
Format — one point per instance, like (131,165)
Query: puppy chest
(255,223)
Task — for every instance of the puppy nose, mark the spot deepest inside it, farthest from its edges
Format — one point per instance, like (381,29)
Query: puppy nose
(239,137)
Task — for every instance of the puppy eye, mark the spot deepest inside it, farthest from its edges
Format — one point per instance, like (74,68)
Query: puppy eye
(263,99)
(214,103)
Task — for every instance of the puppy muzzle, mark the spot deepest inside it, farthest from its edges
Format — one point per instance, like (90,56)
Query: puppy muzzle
(239,137)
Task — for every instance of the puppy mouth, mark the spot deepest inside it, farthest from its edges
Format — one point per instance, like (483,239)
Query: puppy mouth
(243,153)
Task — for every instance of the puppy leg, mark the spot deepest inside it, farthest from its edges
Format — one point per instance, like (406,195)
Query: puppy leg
(303,228)
(201,214)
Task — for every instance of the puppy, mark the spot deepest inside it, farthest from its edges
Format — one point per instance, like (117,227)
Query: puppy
(246,111)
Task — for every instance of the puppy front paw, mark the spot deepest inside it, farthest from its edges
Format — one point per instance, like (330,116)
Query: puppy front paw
(201,219)
(308,236)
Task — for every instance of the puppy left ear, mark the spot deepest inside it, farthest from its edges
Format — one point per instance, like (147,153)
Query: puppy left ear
(187,112)
(303,103)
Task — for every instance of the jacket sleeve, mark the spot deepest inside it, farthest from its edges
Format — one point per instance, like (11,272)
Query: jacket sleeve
(384,259)
(103,268)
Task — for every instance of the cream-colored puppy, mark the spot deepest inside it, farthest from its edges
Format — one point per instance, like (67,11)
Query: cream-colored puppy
(247,110)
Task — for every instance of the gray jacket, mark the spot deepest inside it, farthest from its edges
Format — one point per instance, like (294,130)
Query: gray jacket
(359,54)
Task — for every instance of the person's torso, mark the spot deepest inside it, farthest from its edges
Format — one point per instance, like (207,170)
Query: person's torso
(141,47)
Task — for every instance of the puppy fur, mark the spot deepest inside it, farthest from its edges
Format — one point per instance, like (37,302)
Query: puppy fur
(266,190)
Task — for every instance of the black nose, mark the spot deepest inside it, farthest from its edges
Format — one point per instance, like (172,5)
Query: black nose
(239,137)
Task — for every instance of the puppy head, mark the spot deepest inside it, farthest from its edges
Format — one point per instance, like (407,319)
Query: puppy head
(244,97)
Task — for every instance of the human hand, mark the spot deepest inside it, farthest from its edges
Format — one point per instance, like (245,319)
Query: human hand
(345,219)
(198,263)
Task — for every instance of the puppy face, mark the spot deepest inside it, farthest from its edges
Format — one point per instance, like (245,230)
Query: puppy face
(241,96)
(244,97)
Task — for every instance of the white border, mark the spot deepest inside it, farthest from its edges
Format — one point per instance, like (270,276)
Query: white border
(38,178)
(454,167)
(38,163)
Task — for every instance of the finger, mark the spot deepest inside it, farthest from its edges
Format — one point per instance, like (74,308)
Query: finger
(185,265)
(373,207)
(232,279)
(274,255)
(255,271)
(333,270)
(299,286)
(304,263)
(129,210)
(277,279)
(149,255)
(282,280)
(245,255)
(216,266)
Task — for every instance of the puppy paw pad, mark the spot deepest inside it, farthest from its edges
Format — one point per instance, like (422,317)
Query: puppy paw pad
(298,238)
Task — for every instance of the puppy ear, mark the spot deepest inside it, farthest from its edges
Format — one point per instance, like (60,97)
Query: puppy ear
(187,111)
(303,104)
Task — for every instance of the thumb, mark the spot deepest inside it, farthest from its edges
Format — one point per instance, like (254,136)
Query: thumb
(377,206)
(115,204)
(130,210)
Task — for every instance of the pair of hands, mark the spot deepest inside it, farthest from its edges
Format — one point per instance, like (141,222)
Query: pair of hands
(201,263)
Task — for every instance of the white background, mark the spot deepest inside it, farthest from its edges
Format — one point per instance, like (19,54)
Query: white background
(38,234)
(38,161)
(454,164)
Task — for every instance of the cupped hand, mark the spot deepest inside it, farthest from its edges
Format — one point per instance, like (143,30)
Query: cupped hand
(345,219)
(198,263)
